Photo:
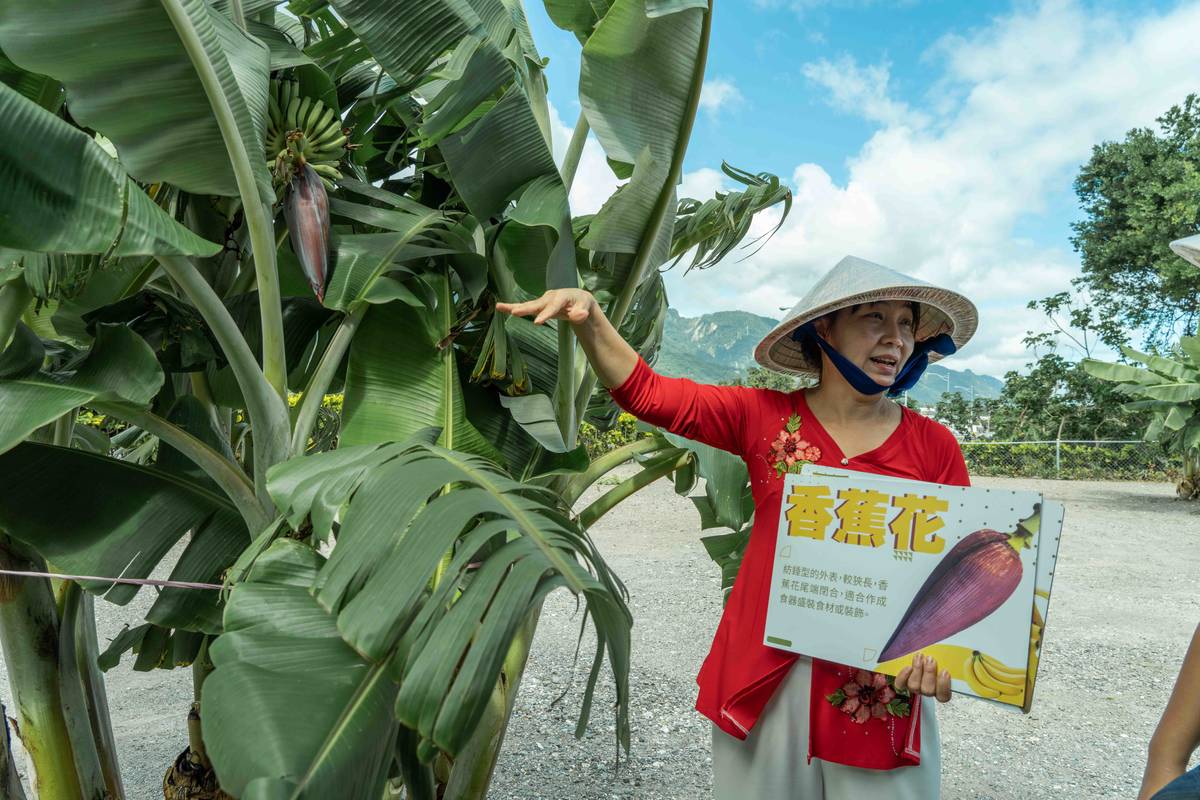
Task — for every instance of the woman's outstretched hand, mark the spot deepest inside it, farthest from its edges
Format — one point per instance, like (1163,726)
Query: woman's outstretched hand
(573,305)
(609,354)
(923,678)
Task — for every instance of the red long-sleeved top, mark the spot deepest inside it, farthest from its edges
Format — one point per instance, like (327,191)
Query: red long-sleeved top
(741,673)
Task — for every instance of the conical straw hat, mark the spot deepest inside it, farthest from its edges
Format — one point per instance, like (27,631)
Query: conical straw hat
(1188,249)
(854,281)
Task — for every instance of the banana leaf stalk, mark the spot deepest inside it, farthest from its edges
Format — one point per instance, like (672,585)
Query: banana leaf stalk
(15,297)
(10,781)
(87,653)
(475,765)
(28,614)
(84,704)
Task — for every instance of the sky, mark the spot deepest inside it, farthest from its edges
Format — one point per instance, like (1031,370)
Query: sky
(938,137)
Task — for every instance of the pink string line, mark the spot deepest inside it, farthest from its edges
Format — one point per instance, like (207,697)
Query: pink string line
(131,581)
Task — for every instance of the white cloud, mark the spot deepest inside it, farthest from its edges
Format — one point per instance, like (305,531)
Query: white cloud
(594,180)
(943,192)
(801,7)
(862,91)
(703,183)
(718,94)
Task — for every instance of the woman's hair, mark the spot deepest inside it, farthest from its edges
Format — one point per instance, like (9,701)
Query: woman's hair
(812,352)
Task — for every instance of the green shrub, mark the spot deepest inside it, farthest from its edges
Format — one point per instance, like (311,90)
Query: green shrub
(599,442)
(1140,462)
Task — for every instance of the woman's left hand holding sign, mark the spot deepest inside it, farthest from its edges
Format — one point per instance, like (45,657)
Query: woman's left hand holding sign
(923,678)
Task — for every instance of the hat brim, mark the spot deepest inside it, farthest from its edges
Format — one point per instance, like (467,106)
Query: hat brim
(942,311)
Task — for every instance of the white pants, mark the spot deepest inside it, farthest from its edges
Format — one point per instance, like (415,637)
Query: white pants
(772,762)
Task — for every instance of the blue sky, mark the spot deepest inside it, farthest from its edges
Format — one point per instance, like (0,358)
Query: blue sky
(940,138)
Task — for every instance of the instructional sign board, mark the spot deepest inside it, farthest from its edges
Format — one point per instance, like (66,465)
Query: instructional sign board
(871,570)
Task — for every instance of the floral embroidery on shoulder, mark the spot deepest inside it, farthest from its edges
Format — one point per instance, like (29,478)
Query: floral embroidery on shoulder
(790,451)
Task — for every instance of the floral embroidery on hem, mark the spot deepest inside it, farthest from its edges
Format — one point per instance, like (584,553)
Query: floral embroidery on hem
(790,451)
(871,695)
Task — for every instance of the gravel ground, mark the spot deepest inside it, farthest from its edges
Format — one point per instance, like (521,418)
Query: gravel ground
(1125,605)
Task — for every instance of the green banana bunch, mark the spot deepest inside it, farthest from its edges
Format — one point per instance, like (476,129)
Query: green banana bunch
(302,130)
(500,360)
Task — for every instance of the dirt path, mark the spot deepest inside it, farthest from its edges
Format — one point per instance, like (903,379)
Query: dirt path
(1125,604)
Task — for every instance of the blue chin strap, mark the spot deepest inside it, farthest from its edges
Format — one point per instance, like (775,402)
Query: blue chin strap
(908,376)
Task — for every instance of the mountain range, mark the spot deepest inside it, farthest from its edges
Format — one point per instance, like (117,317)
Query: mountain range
(719,348)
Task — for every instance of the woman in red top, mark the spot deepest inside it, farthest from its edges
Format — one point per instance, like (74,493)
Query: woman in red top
(863,329)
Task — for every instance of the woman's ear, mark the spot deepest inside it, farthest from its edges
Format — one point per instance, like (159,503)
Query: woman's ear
(824,324)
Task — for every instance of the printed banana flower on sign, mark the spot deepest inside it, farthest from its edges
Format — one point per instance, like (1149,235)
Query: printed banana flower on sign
(974,579)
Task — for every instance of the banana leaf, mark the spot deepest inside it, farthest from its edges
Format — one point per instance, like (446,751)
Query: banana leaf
(303,316)
(74,197)
(536,242)
(119,367)
(447,648)
(172,328)
(137,84)
(535,413)
(119,279)
(1167,367)
(474,74)
(24,355)
(713,228)
(124,525)
(407,37)
(1182,392)
(45,91)
(577,16)
(521,454)
(290,709)
(1190,345)
(402,378)
(497,155)
(637,76)
(1119,372)
(1178,417)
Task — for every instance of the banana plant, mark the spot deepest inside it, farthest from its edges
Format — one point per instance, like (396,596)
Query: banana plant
(235,210)
(1168,386)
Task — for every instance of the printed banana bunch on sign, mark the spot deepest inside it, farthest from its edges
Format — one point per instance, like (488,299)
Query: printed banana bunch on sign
(500,361)
(1035,648)
(989,677)
(305,142)
(979,573)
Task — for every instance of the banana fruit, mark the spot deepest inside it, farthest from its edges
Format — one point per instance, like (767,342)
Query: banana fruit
(1035,651)
(985,675)
(948,656)
(302,130)
(989,677)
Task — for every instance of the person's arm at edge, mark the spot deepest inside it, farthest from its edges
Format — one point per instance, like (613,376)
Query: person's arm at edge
(1178,733)
(710,414)
(609,354)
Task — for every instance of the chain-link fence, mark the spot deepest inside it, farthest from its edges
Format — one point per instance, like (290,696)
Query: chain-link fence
(1071,460)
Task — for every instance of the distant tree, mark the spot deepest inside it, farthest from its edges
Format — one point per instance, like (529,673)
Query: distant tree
(1058,398)
(1138,195)
(952,410)
(969,419)
(762,378)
